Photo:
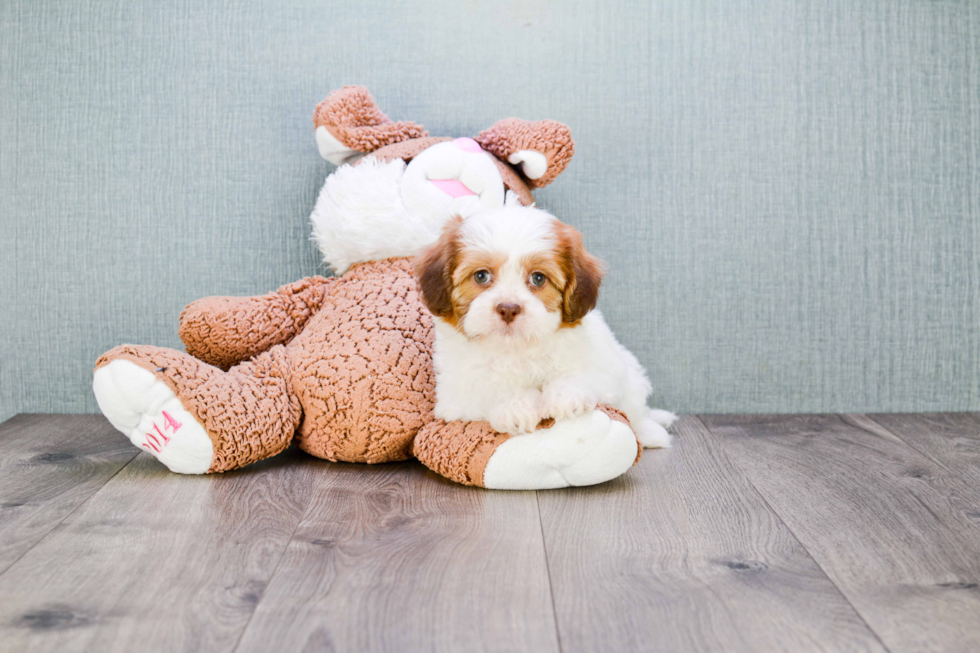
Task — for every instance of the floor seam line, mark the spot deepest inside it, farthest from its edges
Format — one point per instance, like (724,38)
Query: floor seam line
(69,514)
(914,448)
(275,569)
(547,568)
(782,521)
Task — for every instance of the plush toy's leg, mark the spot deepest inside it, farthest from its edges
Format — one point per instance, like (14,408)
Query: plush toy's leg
(586,450)
(192,416)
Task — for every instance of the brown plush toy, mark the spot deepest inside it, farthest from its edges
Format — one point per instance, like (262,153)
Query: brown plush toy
(344,363)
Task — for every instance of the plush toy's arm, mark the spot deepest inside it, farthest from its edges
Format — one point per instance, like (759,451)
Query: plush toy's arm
(224,331)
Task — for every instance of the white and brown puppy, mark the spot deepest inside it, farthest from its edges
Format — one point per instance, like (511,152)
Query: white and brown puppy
(517,340)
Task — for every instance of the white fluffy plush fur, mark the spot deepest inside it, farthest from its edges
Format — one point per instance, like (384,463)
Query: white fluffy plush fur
(515,374)
(376,209)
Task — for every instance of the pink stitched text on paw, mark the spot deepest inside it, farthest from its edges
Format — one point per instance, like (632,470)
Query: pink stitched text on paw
(161,439)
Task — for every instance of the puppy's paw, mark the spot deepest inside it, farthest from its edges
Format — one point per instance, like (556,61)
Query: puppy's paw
(565,400)
(519,416)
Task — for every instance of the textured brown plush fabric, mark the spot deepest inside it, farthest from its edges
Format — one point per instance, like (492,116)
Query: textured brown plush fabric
(363,366)
(407,150)
(458,450)
(343,364)
(357,381)
(348,365)
(352,116)
(249,411)
(224,331)
(551,138)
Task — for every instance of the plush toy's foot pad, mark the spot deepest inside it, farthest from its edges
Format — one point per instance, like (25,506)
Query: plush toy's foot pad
(146,410)
(248,413)
(584,450)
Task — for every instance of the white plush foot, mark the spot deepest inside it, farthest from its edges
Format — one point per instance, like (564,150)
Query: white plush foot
(146,410)
(652,432)
(582,451)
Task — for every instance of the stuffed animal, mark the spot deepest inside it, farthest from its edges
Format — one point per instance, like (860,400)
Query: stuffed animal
(344,364)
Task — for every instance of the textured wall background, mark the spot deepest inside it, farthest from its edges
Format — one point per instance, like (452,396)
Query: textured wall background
(787,192)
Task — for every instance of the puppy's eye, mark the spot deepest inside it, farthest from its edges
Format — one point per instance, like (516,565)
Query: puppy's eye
(538,279)
(481,277)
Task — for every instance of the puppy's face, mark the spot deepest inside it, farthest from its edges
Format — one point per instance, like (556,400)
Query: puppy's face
(513,274)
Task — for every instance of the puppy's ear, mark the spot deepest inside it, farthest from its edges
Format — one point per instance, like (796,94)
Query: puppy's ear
(434,269)
(583,272)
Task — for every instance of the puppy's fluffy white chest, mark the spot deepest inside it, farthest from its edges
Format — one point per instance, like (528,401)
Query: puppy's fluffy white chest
(474,378)
(482,364)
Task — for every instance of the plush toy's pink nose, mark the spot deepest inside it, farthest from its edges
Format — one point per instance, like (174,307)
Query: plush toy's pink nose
(467,145)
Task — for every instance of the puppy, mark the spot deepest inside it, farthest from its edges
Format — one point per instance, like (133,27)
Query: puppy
(517,340)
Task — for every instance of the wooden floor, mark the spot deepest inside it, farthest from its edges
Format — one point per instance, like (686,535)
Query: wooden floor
(754,533)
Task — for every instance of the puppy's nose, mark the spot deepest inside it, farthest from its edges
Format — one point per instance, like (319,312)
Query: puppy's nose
(508,312)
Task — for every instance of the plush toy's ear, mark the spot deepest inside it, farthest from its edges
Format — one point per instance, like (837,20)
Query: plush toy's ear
(434,269)
(583,274)
(542,149)
(349,123)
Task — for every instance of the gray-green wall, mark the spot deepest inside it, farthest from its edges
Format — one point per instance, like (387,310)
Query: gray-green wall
(786,192)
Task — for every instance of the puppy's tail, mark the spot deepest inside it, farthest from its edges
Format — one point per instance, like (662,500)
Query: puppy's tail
(664,418)
(652,431)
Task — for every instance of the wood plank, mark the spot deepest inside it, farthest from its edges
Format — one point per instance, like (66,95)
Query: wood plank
(157,561)
(951,439)
(896,532)
(682,554)
(50,465)
(395,558)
